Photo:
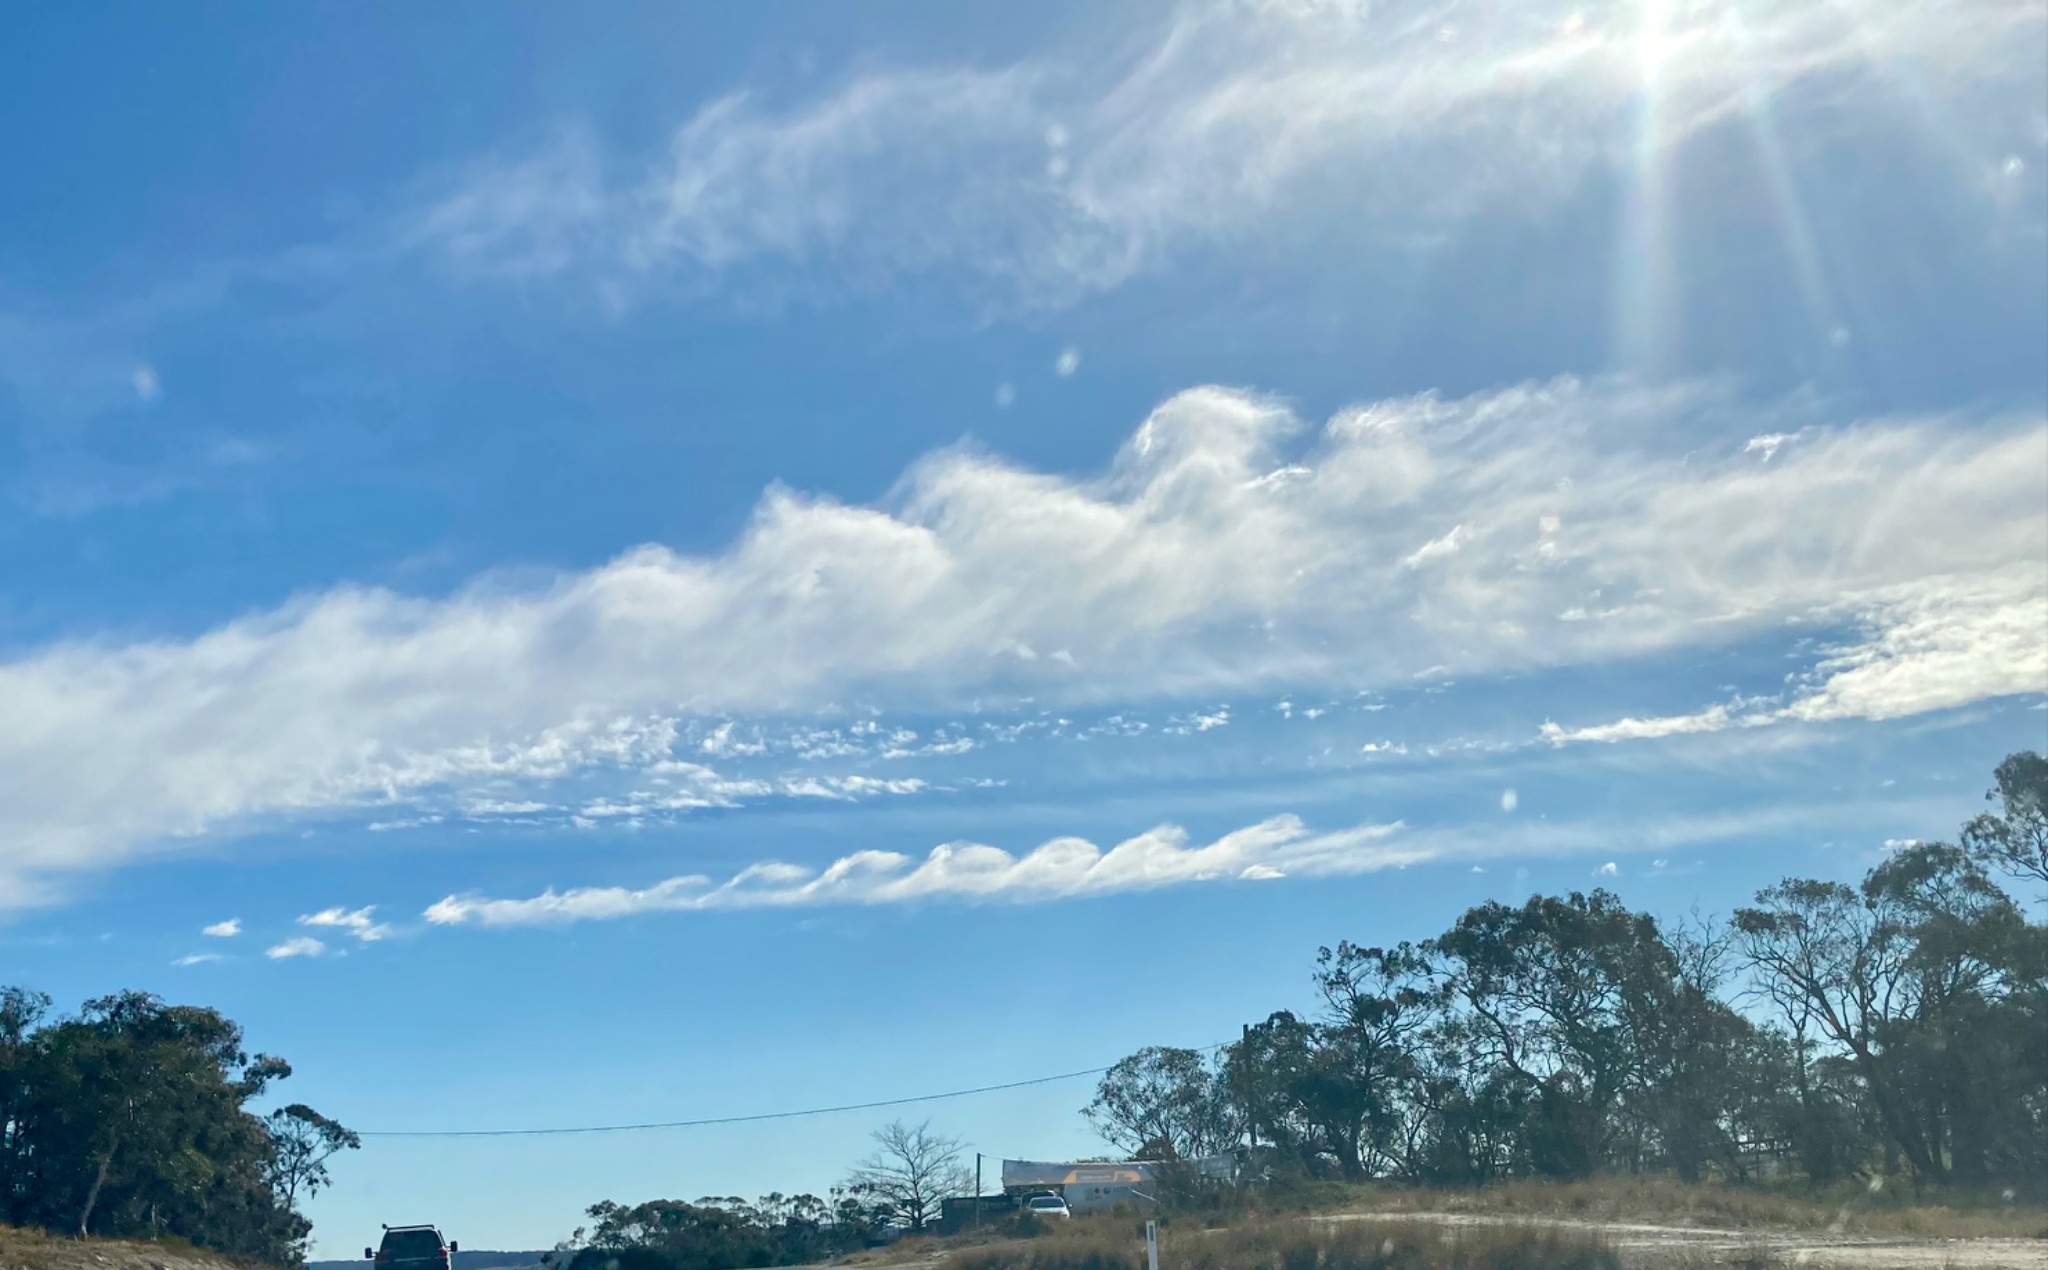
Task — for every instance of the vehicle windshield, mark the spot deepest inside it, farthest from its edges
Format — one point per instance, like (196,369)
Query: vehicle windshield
(1049,1201)
(411,1243)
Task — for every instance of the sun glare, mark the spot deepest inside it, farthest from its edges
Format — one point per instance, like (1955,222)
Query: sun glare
(1642,267)
(1655,46)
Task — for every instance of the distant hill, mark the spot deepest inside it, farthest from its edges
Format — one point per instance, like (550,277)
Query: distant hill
(464,1260)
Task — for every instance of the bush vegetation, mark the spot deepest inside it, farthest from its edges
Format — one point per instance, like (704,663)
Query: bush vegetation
(717,1232)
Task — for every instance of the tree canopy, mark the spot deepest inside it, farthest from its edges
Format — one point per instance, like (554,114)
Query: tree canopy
(131,1119)
(1895,1026)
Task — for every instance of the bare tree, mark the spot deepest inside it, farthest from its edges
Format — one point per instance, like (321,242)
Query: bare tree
(912,1170)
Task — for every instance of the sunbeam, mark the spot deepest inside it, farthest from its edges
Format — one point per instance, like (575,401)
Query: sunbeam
(1643,307)
(1823,311)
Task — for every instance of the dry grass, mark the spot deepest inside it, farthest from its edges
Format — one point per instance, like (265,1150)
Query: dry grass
(1695,1259)
(1300,1245)
(914,1249)
(1534,1226)
(35,1250)
(1855,1210)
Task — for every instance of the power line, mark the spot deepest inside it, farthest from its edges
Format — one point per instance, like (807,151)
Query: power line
(749,1119)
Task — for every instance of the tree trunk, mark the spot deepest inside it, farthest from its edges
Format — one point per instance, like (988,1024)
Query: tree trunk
(1898,1121)
(92,1196)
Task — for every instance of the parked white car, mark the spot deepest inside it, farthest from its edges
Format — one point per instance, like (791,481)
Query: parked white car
(1047,1205)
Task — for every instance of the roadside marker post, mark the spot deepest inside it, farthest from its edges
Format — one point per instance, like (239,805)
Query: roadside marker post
(1151,1245)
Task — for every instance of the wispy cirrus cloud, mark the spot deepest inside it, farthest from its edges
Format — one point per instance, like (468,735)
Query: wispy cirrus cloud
(1062,868)
(1228,546)
(223,930)
(1067,173)
(1928,647)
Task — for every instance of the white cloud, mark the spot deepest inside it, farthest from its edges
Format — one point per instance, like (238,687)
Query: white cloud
(849,787)
(1509,800)
(1712,719)
(197,959)
(147,387)
(1208,126)
(357,922)
(1929,646)
(505,807)
(1071,867)
(1185,724)
(1437,548)
(1183,570)
(303,946)
(722,743)
(1067,363)
(1766,444)
(224,930)
(1061,868)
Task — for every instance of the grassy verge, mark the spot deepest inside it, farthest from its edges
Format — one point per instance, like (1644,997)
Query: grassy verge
(1300,1245)
(34,1250)
(1660,1201)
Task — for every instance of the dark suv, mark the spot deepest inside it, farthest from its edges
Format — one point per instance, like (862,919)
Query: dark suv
(412,1248)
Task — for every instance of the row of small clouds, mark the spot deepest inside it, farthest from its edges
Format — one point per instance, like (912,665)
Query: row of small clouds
(1061,174)
(358,923)
(1068,867)
(1269,851)
(1062,868)
(1221,550)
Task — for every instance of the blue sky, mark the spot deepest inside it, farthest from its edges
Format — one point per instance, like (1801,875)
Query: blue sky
(735,559)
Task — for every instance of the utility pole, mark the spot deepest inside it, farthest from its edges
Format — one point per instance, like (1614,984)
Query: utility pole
(977,1190)
(1251,1123)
